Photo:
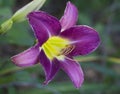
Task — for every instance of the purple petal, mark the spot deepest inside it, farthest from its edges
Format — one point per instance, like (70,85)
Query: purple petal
(50,67)
(73,70)
(70,16)
(84,38)
(44,25)
(27,58)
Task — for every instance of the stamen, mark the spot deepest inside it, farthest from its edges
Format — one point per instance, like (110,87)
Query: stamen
(68,49)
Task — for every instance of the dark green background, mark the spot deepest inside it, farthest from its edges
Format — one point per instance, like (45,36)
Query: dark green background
(101,68)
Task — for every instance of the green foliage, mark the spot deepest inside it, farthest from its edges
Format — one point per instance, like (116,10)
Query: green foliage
(7,3)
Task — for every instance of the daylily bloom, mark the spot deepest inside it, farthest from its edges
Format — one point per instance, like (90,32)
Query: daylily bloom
(57,43)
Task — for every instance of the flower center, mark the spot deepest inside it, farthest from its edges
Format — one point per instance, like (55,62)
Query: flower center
(57,47)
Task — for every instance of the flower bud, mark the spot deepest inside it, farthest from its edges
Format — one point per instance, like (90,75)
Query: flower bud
(6,26)
(21,14)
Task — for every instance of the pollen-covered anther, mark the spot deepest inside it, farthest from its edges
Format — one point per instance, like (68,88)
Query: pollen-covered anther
(68,49)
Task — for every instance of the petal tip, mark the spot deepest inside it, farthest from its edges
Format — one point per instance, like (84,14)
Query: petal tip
(79,84)
(18,63)
(70,16)
(13,59)
(28,57)
(73,70)
(46,82)
(69,3)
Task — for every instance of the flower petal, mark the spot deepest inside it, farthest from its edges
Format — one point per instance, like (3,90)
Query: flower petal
(50,67)
(70,16)
(84,38)
(27,58)
(44,25)
(73,70)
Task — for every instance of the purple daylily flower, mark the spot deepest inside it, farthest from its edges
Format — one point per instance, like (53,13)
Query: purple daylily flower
(58,42)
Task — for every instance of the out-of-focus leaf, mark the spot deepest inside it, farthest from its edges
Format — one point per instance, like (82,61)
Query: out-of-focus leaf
(3,15)
(11,90)
(87,58)
(94,58)
(23,76)
(6,79)
(64,87)
(13,69)
(86,88)
(114,60)
(84,19)
(19,35)
(7,3)
(9,70)
(36,91)
(5,10)
(102,69)
(100,28)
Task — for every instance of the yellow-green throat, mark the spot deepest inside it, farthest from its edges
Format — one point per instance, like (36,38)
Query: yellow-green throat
(57,47)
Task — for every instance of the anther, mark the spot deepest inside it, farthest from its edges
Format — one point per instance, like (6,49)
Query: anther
(68,49)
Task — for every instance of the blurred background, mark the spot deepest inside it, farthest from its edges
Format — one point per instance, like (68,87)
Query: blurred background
(101,68)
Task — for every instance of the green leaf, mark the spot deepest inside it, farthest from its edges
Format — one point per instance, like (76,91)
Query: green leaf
(114,60)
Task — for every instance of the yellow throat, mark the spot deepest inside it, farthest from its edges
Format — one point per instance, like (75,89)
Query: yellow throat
(57,47)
